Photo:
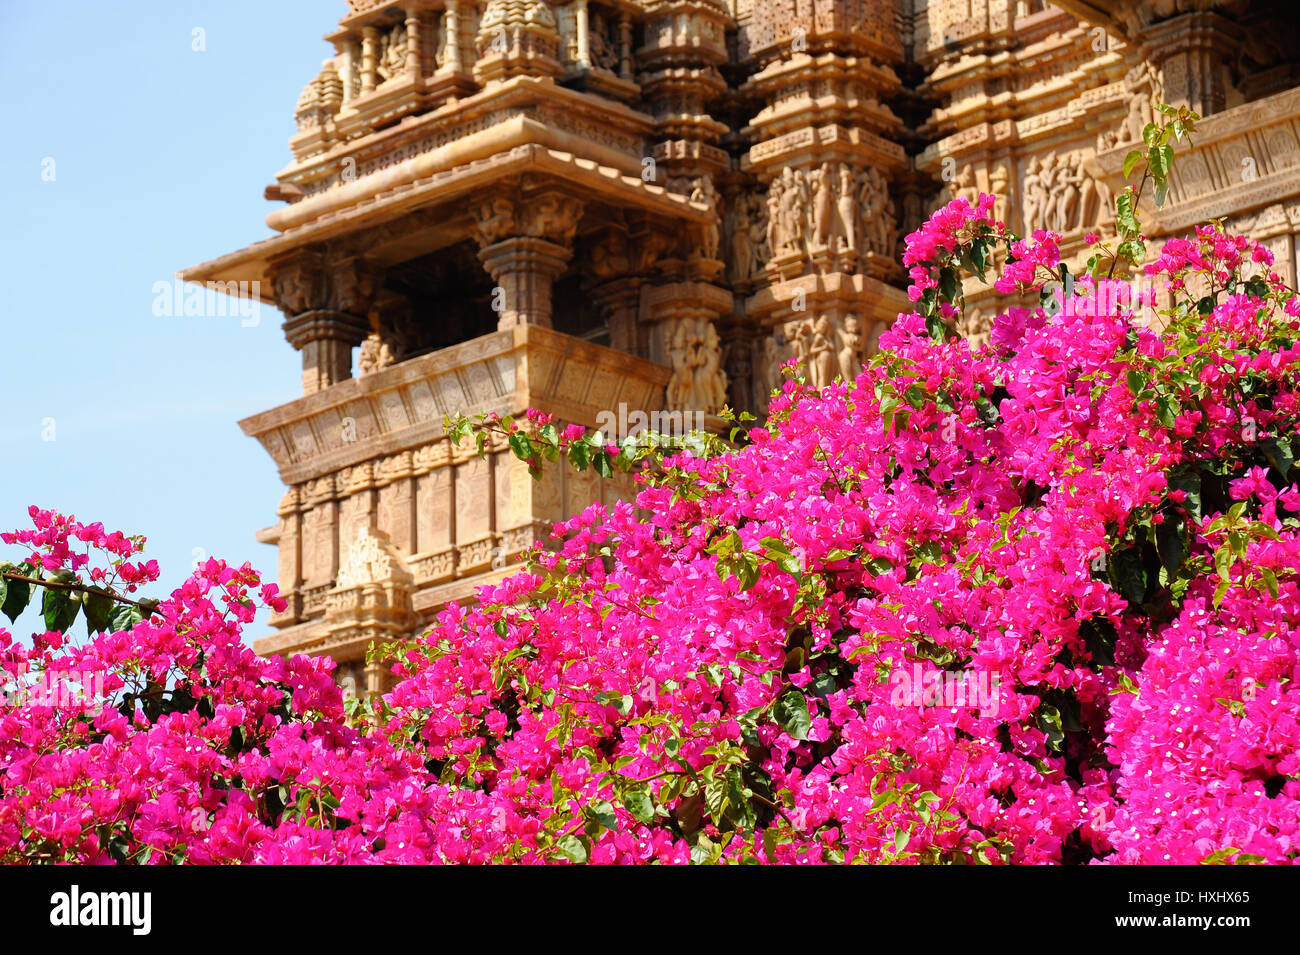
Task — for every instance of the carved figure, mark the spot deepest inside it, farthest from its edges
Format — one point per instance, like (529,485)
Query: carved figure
(702,192)
(698,382)
(850,351)
(847,211)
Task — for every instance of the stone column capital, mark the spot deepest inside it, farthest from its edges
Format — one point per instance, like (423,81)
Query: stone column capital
(322,324)
(524,269)
(326,302)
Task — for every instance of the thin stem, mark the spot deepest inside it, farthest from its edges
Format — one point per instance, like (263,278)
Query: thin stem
(147,607)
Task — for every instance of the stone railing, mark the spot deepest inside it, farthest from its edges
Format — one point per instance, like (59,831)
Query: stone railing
(368,460)
(1242,159)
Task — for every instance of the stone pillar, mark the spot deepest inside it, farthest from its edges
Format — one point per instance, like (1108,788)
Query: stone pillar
(451,28)
(289,546)
(376,674)
(413,42)
(618,300)
(624,47)
(326,340)
(584,39)
(325,303)
(524,269)
(346,50)
(525,243)
(369,48)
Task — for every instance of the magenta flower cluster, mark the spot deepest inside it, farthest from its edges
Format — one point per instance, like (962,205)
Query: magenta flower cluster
(1094,520)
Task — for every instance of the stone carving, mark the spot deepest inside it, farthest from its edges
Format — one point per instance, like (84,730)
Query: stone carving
(494,219)
(962,184)
(1000,186)
(850,350)
(742,246)
(698,382)
(552,216)
(602,43)
(824,346)
(1059,195)
(293,288)
(392,53)
(831,208)
(740,372)
(1142,90)
(846,211)
(440,51)
(517,37)
(767,372)
(320,99)
(374,356)
(370,559)
(702,192)
(823,204)
(878,222)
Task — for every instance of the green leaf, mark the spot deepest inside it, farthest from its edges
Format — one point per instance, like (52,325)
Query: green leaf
(1190,483)
(1131,161)
(1278,452)
(579,455)
(637,801)
(1223,563)
(975,258)
(1160,159)
(1270,581)
(879,565)
(1167,411)
(1132,250)
(791,712)
(99,610)
(1049,721)
(1162,193)
(60,608)
(521,446)
(603,813)
(124,617)
(1128,574)
(771,841)
(573,849)
(1124,215)
(1136,381)
(949,283)
(1171,542)
(19,593)
(937,329)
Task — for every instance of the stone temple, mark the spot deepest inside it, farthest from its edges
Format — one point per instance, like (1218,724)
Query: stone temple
(649,205)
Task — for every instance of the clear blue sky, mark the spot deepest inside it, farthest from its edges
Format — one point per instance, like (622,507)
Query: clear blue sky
(160,156)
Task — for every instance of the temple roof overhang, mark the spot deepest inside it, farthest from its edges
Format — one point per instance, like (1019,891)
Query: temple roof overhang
(447,193)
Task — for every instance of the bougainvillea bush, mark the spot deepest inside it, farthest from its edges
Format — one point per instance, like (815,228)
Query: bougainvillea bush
(1032,602)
